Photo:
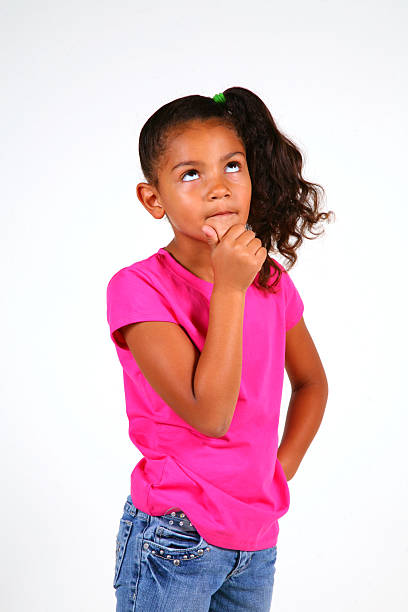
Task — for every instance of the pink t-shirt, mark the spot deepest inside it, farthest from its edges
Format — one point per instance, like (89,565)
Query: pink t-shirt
(233,489)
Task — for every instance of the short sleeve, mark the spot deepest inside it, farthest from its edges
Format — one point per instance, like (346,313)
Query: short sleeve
(294,305)
(132,297)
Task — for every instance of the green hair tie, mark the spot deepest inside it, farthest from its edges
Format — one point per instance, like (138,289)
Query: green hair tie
(219,97)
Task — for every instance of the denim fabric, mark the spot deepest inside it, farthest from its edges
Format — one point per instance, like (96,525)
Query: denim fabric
(164,565)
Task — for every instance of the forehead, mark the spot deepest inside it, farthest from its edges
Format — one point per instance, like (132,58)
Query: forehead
(201,138)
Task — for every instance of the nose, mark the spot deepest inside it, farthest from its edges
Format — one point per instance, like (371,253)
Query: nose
(217,185)
(219,191)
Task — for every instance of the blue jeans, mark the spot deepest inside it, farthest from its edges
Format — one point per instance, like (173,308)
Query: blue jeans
(164,565)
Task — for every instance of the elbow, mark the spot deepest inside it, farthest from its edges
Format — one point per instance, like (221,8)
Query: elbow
(318,382)
(207,422)
(319,389)
(214,433)
(220,431)
(219,434)
(325,386)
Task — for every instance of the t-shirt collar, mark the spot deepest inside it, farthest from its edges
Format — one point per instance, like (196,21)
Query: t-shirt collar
(188,276)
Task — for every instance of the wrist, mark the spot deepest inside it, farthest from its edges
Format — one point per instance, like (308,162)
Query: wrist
(224,289)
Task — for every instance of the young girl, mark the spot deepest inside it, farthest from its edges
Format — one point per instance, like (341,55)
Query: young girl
(204,329)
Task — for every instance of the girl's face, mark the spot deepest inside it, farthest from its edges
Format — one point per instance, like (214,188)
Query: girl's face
(203,172)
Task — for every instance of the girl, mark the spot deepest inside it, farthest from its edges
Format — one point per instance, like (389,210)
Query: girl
(204,329)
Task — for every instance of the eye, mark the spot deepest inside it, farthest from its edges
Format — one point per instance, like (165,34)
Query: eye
(235,163)
(194,171)
(188,172)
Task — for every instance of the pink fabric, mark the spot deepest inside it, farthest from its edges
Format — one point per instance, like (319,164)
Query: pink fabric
(233,488)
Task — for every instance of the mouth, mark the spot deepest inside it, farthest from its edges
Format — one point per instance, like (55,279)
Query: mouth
(222,214)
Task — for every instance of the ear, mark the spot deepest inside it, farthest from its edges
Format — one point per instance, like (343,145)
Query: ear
(149,197)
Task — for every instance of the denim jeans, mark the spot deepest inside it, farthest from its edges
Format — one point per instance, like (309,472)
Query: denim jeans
(164,565)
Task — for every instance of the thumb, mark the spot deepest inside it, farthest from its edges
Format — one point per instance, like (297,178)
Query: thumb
(210,234)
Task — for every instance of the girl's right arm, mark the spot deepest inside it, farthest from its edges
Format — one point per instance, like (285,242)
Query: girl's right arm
(201,388)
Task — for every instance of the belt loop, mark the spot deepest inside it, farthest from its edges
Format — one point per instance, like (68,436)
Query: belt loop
(130,508)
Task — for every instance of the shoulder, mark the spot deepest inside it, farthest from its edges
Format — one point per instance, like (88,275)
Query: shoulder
(289,290)
(285,279)
(277,263)
(134,295)
(141,273)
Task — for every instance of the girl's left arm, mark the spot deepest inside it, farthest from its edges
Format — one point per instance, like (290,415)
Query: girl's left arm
(308,400)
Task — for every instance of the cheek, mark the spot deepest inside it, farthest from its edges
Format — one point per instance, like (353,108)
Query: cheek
(241,178)
(243,187)
(186,211)
(190,199)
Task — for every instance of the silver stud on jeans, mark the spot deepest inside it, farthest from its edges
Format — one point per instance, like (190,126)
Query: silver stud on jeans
(176,562)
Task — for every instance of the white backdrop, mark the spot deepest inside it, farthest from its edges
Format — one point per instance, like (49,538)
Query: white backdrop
(78,82)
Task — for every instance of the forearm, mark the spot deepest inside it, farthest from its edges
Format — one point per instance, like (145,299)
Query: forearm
(217,377)
(305,413)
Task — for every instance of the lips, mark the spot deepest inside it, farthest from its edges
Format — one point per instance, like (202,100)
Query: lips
(223,212)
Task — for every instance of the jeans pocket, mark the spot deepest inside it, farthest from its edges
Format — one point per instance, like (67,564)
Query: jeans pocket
(177,539)
(125,527)
(173,541)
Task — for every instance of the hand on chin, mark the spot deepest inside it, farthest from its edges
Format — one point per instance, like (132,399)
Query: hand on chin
(222,223)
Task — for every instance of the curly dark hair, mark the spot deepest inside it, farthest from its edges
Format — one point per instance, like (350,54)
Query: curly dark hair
(283,204)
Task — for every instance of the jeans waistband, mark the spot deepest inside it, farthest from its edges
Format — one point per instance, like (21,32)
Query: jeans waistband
(177,518)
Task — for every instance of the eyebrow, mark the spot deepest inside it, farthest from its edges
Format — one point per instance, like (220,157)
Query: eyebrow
(191,162)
